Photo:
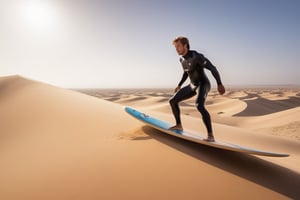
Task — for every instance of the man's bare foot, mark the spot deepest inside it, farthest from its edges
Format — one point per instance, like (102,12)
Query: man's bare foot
(210,139)
(176,127)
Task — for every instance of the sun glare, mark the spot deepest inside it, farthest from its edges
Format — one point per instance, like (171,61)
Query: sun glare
(39,16)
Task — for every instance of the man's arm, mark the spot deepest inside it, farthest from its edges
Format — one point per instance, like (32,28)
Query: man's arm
(184,77)
(208,65)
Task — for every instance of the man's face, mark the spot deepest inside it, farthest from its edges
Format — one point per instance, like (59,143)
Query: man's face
(180,48)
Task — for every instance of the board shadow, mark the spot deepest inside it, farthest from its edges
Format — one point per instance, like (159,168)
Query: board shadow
(252,168)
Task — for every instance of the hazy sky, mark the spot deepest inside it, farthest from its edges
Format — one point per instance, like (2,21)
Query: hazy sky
(128,43)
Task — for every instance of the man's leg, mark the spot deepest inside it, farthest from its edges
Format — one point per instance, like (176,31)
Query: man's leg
(183,94)
(200,102)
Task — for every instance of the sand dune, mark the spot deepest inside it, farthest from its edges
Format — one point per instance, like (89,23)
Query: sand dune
(62,144)
(227,107)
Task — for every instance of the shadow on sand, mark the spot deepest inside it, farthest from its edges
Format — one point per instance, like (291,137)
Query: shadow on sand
(261,106)
(259,171)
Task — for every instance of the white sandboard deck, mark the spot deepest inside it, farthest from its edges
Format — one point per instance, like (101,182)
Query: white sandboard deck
(196,137)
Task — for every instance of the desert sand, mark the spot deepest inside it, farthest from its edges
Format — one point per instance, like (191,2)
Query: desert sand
(58,143)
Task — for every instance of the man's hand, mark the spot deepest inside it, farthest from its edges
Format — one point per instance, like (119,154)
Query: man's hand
(177,89)
(221,89)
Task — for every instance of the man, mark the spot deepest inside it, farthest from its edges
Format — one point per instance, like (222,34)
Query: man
(193,64)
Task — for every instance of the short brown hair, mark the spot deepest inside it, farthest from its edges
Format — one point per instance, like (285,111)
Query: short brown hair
(182,40)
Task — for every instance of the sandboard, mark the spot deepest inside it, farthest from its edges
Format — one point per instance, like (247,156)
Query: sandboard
(196,137)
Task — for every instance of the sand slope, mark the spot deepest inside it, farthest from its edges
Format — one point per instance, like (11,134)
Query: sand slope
(61,144)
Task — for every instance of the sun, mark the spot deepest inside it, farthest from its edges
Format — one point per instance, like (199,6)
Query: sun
(39,16)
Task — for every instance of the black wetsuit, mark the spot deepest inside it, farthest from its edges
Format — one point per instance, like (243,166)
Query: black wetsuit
(193,64)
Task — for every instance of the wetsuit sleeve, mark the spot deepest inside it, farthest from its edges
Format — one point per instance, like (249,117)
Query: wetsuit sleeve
(184,77)
(208,65)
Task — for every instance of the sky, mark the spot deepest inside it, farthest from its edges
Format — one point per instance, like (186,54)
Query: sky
(128,43)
